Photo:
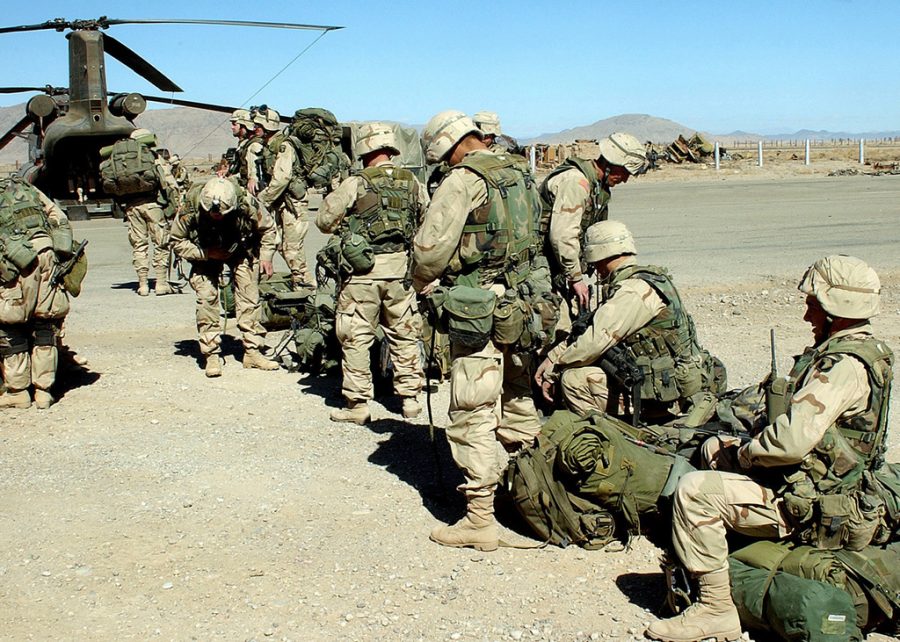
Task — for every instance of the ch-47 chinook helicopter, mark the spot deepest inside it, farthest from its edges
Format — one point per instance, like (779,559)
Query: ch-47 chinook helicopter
(69,126)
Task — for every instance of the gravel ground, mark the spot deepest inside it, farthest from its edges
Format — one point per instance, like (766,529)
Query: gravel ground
(151,502)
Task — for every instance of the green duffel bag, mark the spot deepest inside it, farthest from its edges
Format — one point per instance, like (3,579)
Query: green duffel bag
(470,315)
(793,608)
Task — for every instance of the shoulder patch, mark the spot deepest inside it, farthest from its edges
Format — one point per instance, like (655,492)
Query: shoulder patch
(583,183)
(826,363)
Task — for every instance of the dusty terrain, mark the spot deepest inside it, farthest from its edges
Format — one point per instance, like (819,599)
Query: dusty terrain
(152,503)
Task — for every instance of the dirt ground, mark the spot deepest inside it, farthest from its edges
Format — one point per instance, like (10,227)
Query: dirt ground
(153,503)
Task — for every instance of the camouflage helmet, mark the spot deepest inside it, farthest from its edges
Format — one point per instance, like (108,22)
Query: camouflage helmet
(268,120)
(607,239)
(373,137)
(242,117)
(444,131)
(624,150)
(219,194)
(143,136)
(844,286)
(488,122)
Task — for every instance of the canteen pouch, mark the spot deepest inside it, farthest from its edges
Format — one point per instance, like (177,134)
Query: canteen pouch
(509,319)
(61,238)
(20,252)
(358,254)
(843,523)
(470,315)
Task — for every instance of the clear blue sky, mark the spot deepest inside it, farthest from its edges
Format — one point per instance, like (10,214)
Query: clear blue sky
(765,67)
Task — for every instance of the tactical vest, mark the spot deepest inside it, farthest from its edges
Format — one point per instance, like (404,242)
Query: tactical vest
(270,152)
(129,169)
(21,211)
(386,214)
(666,349)
(234,232)
(598,199)
(829,466)
(498,238)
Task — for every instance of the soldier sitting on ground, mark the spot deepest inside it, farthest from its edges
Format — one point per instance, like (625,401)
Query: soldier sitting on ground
(829,427)
(223,225)
(642,321)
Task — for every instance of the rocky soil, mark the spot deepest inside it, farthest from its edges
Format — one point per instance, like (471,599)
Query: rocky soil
(152,503)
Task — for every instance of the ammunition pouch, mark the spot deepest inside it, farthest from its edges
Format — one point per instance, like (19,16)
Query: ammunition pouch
(13,340)
(73,278)
(845,521)
(542,307)
(19,252)
(358,254)
(61,239)
(470,315)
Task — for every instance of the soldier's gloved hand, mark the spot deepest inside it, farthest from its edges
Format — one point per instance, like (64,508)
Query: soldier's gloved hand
(582,294)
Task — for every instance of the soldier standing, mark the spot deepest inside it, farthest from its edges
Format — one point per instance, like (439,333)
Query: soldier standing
(478,233)
(381,204)
(148,212)
(494,138)
(829,427)
(223,225)
(642,312)
(575,196)
(253,161)
(34,236)
(285,197)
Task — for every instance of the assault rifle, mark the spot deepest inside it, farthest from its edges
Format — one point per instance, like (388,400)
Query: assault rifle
(60,270)
(232,160)
(261,181)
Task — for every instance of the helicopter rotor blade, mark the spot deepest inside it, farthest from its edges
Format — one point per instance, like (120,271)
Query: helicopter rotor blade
(14,131)
(59,24)
(227,23)
(137,64)
(19,90)
(225,109)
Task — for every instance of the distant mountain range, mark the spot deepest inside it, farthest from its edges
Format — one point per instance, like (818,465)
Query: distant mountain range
(200,135)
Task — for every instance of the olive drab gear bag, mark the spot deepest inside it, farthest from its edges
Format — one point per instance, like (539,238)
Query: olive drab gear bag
(674,365)
(128,168)
(469,315)
(386,213)
(589,467)
(318,133)
(791,607)
(498,238)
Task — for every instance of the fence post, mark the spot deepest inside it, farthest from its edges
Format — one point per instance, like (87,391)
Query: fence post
(717,156)
(532,158)
(759,153)
(862,152)
(806,162)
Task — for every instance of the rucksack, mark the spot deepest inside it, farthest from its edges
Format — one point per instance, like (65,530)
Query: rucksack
(318,134)
(581,476)
(128,168)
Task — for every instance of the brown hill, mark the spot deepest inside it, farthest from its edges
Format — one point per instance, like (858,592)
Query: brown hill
(642,126)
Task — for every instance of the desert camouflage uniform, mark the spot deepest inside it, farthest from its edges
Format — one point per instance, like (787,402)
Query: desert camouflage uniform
(32,314)
(585,387)
(244,265)
(491,409)
(710,503)
(251,159)
(379,296)
(291,214)
(147,220)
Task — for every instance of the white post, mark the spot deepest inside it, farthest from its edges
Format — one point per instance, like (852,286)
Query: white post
(807,152)
(759,153)
(862,152)
(532,158)
(717,156)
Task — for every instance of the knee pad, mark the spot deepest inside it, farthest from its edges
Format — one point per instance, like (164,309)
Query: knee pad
(13,340)
(46,333)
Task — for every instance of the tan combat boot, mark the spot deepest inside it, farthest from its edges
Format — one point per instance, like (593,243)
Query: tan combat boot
(356,412)
(20,399)
(43,399)
(162,287)
(713,616)
(411,407)
(143,285)
(254,359)
(213,366)
(478,529)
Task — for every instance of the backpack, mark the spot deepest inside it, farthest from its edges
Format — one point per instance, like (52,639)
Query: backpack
(128,168)
(318,134)
(580,478)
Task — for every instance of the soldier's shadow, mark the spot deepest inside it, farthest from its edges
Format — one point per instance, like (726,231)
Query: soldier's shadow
(427,466)
(231,347)
(70,374)
(125,285)
(325,385)
(646,590)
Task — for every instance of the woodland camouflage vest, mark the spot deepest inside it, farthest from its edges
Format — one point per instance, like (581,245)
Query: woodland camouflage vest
(598,201)
(386,214)
(21,211)
(666,349)
(498,238)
